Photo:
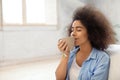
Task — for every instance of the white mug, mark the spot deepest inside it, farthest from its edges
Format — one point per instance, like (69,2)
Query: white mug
(69,41)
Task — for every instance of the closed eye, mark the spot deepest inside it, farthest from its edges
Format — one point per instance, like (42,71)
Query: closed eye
(79,30)
(76,29)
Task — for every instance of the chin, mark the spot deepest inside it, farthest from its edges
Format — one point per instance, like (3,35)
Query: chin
(76,45)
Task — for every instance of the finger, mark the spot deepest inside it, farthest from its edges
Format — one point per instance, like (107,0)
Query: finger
(61,43)
(67,49)
(59,40)
(64,46)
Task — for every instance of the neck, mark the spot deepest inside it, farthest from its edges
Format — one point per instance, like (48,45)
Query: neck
(85,48)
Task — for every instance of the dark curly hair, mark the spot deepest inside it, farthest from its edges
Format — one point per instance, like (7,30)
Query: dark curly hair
(100,32)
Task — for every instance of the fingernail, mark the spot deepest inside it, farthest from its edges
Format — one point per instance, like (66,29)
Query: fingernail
(60,40)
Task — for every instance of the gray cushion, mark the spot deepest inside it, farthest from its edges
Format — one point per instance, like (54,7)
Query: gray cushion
(114,71)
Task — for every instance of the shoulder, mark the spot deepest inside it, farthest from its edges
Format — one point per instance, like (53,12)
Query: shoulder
(100,65)
(102,56)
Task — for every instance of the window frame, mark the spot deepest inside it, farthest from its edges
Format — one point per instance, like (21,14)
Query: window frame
(24,23)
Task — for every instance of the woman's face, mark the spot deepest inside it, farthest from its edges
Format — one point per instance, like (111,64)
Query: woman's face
(79,32)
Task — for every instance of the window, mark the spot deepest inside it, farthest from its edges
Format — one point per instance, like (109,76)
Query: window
(29,12)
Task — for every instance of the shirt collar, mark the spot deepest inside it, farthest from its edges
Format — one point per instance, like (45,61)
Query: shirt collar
(75,49)
(92,54)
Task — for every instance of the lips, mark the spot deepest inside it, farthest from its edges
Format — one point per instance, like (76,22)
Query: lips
(76,39)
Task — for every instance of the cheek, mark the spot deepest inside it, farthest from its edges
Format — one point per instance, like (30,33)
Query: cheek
(86,35)
(83,36)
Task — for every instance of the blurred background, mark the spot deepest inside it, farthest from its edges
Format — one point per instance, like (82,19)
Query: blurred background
(30,29)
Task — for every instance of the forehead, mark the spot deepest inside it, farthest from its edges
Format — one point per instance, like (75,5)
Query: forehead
(77,24)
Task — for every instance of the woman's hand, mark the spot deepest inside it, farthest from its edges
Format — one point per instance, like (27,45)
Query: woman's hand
(61,71)
(63,47)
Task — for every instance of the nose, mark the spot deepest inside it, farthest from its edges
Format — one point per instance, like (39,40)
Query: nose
(73,34)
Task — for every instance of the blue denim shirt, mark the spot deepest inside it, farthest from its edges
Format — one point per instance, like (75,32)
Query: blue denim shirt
(95,67)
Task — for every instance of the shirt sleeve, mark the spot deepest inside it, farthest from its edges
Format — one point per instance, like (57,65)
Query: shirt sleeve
(102,69)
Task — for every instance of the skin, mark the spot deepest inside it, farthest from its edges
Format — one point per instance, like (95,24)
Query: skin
(79,32)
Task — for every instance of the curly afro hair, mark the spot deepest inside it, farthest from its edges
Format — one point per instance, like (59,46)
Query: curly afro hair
(99,29)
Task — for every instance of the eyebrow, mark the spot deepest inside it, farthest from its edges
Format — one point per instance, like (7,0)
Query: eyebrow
(77,27)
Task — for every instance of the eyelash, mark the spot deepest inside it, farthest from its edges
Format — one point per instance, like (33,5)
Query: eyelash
(77,30)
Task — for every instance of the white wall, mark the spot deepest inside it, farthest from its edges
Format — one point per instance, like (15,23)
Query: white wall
(23,45)
(66,9)
(1,47)
(17,45)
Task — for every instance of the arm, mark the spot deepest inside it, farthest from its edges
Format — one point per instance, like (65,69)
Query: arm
(62,67)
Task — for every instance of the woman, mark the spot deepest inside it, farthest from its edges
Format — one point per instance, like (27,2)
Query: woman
(88,60)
